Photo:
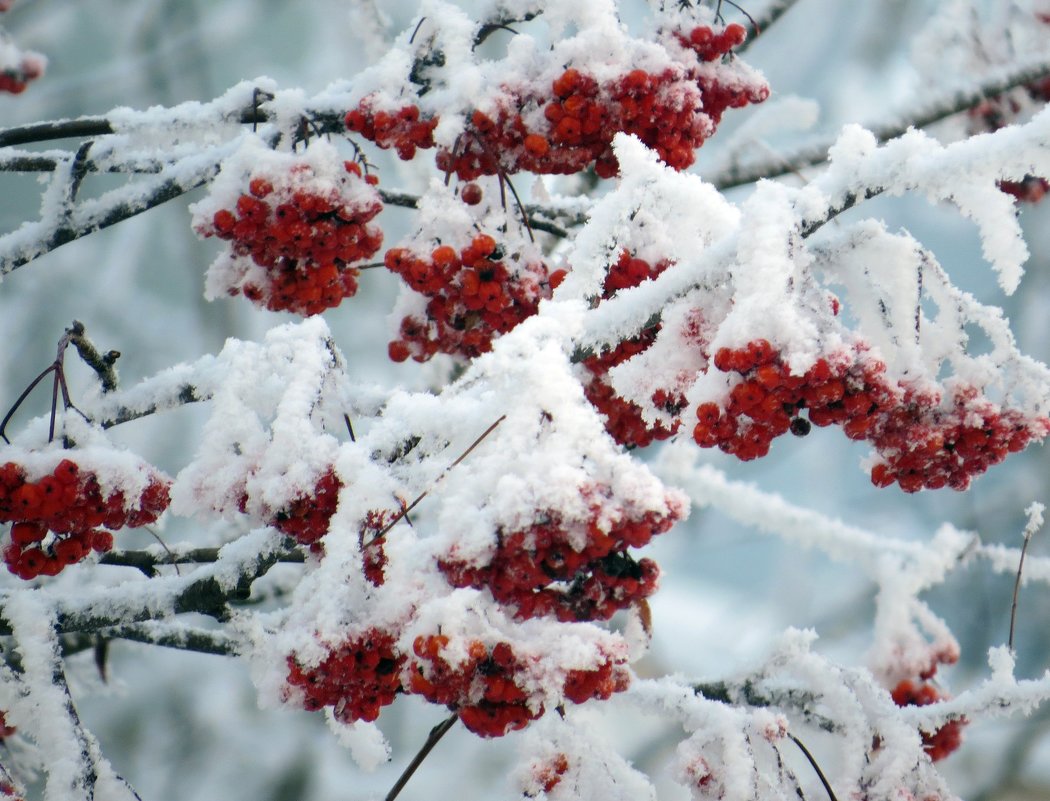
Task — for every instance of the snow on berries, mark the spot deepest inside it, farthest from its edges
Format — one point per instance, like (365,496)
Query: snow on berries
(948,737)
(398,127)
(296,224)
(923,440)
(18,67)
(558,113)
(569,125)
(464,286)
(473,294)
(66,504)
(624,419)
(357,678)
(573,570)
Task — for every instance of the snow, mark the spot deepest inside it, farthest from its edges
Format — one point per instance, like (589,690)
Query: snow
(269,406)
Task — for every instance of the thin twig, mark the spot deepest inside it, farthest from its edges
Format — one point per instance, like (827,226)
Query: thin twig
(433,738)
(816,767)
(1035,520)
(406,509)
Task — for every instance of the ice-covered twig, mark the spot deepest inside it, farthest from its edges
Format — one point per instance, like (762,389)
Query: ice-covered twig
(207,591)
(148,561)
(37,238)
(815,153)
(53,720)
(750,691)
(1035,520)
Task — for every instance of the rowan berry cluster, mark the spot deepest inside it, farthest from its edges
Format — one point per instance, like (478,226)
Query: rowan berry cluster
(372,540)
(489,689)
(921,442)
(14,78)
(572,569)
(474,295)
(948,737)
(301,231)
(402,129)
(547,774)
(572,125)
(1001,110)
(623,418)
(305,518)
(73,505)
(356,679)
(566,126)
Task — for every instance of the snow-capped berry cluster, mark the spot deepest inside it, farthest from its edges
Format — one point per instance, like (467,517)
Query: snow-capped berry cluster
(490,687)
(563,126)
(482,688)
(402,128)
(571,125)
(18,67)
(371,538)
(922,439)
(78,510)
(357,678)
(474,295)
(546,774)
(294,233)
(574,570)
(623,418)
(305,518)
(948,737)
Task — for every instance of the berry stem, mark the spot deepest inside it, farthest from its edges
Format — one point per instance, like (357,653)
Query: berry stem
(433,738)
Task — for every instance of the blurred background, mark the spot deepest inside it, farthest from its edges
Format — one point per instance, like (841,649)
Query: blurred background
(181,725)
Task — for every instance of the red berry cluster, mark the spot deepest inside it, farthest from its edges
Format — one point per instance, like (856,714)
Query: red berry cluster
(6,730)
(546,775)
(623,418)
(673,112)
(710,45)
(373,554)
(487,690)
(542,570)
(997,112)
(356,679)
(921,443)
(482,689)
(306,518)
(70,503)
(402,129)
(948,737)
(302,237)
(15,78)
(474,296)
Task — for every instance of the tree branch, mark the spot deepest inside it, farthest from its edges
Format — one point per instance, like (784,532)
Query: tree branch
(747,693)
(817,152)
(148,562)
(209,594)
